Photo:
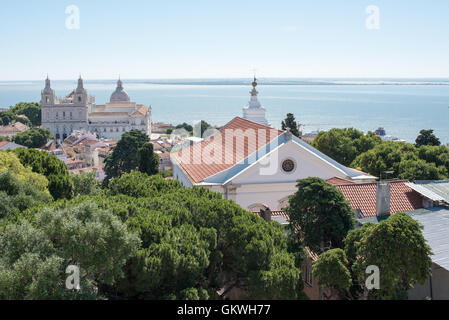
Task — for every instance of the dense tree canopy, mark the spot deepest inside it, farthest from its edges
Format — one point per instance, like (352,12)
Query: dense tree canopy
(60,186)
(321,213)
(124,156)
(32,110)
(34,257)
(290,123)
(331,269)
(33,138)
(85,184)
(146,237)
(427,138)
(17,196)
(407,260)
(42,162)
(344,145)
(147,160)
(215,240)
(407,161)
(9,162)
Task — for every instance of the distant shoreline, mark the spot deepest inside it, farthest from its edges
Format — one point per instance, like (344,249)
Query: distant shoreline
(262,82)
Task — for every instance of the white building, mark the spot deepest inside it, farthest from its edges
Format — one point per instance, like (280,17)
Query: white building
(254,111)
(255,165)
(78,111)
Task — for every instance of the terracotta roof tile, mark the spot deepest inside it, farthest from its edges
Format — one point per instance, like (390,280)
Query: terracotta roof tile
(362,197)
(197,172)
(338,181)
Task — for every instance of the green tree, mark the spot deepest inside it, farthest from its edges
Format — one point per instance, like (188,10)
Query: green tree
(419,170)
(9,162)
(41,162)
(32,110)
(397,246)
(192,238)
(291,124)
(85,184)
(124,156)
(33,258)
(147,160)
(427,138)
(321,213)
(344,145)
(33,138)
(16,196)
(331,269)
(60,186)
(185,126)
(6,117)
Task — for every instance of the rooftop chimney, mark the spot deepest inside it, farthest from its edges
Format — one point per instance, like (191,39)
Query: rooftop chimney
(265,213)
(383,198)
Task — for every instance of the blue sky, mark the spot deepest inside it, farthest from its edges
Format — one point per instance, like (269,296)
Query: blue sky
(214,39)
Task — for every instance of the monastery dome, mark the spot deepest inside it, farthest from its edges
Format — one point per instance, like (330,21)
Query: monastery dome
(120,95)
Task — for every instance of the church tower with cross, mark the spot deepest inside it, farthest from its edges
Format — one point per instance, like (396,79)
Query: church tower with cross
(254,110)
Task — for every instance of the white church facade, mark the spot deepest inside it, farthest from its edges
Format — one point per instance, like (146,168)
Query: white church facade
(78,111)
(256,165)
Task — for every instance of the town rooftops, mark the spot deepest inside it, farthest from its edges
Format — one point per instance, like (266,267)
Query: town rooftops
(436,228)
(6,145)
(362,197)
(434,190)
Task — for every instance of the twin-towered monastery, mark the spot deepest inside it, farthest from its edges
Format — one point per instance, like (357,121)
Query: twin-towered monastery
(78,111)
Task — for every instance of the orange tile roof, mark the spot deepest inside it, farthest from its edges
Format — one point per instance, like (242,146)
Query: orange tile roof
(362,196)
(2,143)
(197,172)
(338,181)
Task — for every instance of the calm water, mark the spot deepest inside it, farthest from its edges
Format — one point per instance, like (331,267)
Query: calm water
(403,110)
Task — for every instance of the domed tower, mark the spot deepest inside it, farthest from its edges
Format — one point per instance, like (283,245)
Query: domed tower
(254,111)
(119,95)
(80,98)
(48,94)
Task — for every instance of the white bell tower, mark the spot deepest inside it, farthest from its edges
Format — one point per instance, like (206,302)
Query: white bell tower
(254,111)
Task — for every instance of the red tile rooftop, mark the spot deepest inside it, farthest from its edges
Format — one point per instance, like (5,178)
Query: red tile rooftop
(338,181)
(199,172)
(362,196)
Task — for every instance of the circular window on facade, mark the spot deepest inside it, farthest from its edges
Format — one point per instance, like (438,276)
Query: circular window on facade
(288,165)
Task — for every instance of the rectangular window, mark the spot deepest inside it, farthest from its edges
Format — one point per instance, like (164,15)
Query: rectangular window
(308,274)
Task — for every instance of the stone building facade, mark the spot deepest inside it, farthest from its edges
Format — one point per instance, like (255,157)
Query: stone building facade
(78,111)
